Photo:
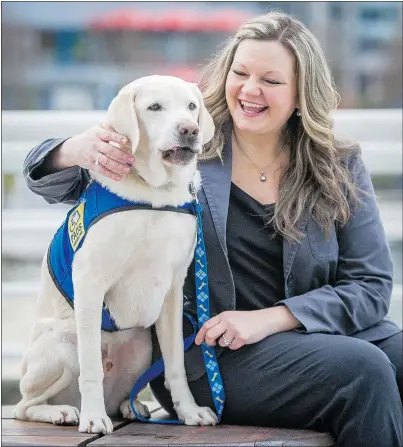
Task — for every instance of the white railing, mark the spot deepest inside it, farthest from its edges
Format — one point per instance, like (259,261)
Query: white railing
(379,133)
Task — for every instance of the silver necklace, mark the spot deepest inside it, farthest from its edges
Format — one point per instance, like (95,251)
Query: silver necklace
(261,170)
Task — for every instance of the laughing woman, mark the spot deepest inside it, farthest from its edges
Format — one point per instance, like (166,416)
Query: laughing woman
(300,270)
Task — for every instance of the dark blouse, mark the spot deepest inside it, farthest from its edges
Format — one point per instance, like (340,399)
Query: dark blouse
(255,252)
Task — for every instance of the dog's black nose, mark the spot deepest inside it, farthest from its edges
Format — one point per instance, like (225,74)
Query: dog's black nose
(188,129)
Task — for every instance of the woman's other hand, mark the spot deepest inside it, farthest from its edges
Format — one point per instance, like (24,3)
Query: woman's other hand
(245,327)
(91,150)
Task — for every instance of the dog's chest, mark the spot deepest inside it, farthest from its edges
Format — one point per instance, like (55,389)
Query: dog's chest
(156,253)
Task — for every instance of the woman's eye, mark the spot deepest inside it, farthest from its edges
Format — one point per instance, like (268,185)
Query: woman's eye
(269,81)
(239,73)
(155,107)
(192,106)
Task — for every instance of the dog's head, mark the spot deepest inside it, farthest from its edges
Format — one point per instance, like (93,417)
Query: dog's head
(165,119)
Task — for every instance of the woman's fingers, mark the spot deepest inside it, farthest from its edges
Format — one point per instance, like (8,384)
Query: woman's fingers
(223,329)
(107,173)
(119,145)
(110,135)
(117,154)
(102,157)
(214,333)
(110,153)
(107,166)
(225,338)
(200,337)
(223,335)
(114,162)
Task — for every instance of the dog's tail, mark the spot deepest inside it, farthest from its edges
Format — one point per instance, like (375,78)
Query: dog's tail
(51,390)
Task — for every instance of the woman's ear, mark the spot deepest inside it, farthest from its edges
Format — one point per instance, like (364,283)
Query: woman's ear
(206,122)
(122,117)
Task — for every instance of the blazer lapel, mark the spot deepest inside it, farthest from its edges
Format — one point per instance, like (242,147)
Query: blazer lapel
(290,247)
(216,182)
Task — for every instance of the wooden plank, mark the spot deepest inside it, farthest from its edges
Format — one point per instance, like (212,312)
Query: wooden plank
(43,441)
(147,435)
(285,437)
(127,441)
(221,435)
(28,433)
(138,434)
(12,427)
(144,434)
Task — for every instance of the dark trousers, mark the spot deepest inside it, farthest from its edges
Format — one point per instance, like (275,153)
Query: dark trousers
(349,387)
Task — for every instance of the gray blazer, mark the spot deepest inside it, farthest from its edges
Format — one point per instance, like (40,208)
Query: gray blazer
(339,286)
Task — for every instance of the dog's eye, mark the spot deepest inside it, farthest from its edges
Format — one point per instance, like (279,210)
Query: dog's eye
(192,106)
(155,107)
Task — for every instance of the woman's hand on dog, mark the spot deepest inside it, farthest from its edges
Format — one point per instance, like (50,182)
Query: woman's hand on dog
(91,149)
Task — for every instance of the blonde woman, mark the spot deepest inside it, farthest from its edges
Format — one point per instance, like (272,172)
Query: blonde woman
(300,270)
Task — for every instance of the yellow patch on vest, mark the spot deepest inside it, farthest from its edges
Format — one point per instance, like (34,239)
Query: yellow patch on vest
(76,226)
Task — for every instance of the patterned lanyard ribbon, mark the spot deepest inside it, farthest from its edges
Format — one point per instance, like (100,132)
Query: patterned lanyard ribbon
(203,314)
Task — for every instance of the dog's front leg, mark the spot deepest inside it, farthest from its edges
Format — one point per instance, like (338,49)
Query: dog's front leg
(170,338)
(89,296)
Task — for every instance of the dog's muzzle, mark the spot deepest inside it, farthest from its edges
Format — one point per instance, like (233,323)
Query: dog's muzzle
(180,155)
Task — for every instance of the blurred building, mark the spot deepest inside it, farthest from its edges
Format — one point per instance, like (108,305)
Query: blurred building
(76,55)
(363,42)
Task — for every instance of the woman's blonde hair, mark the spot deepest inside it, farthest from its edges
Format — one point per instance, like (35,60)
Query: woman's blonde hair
(316,180)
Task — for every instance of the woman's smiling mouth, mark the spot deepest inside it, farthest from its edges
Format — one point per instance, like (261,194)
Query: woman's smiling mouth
(251,109)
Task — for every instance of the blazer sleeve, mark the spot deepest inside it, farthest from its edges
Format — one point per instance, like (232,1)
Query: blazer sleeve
(361,295)
(63,186)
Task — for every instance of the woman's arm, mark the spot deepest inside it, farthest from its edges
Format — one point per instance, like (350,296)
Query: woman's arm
(57,169)
(55,185)
(361,295)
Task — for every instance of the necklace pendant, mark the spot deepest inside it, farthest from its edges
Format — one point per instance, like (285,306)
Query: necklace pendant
(262,177)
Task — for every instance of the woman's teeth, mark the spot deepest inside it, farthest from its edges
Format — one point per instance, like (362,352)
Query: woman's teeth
(251,107)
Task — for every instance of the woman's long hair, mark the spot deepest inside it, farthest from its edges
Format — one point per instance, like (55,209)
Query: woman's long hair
(317,179)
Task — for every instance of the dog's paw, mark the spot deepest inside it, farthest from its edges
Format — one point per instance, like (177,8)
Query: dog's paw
(65,415)
(127,412)
(194,415)
(95,422)
(55,414)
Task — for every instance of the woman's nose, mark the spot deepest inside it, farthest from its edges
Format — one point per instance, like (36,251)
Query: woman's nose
(251,87)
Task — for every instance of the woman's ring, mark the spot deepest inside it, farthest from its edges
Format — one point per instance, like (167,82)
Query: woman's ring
(97,160)
(226,342)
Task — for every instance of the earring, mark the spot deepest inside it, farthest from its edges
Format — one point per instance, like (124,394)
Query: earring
(298,113)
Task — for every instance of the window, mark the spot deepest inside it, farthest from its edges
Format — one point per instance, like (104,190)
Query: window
(380,13)
(371,44)
(336,11)
(364,81)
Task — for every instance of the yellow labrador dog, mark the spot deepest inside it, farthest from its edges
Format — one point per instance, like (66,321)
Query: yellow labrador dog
(133,262)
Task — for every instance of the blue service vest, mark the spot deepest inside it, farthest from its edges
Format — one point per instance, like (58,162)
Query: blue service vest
(95,203)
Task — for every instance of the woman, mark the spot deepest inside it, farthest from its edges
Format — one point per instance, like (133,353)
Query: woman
(299,267)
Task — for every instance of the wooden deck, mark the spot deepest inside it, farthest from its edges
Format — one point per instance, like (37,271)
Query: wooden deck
(126,433)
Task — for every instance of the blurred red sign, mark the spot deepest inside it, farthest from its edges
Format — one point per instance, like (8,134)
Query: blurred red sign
(223,20)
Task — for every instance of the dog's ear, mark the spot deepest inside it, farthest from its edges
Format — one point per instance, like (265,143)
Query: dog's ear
(206,122)
(122,115)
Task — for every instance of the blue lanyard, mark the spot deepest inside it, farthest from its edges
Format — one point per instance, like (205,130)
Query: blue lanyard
(203,314)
